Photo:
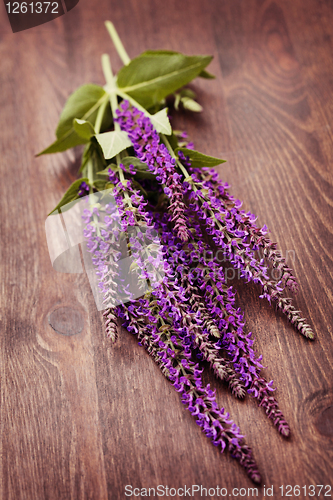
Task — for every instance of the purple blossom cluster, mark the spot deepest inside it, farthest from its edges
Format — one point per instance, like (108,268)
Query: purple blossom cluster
(221,325)
(149,149)
(189,313)
(159,321)
(83,189)
(236,233)
(172,353)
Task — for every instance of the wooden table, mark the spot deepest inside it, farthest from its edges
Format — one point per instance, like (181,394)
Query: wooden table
(82,419)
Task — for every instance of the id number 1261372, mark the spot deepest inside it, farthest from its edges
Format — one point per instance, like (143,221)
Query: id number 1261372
(32,7)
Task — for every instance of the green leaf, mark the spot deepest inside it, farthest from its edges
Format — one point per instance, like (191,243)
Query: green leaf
(83,104)
(99,184)
(71,194)
(104,119)
(93,151)
(188,93)
(191,104)
(133,160)
(113,143)
(98,154)
(161,122)
(158,52)
(182,95)
(105,172)
(177,101)
(68,141)
(107,119)
(141,174)
(153,75)
(85,156)
(141,168)
(199,160)
(83,128)
(205,74)
(173,141)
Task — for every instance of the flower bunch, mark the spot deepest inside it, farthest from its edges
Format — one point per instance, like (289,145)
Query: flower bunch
(161,203)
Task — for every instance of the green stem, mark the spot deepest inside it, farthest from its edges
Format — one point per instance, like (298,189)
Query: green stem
(90,174)
(179,164)
(132,101)
(121,176)
(122,179)
(100,116)
(107,69)
(91,192)
(117,42)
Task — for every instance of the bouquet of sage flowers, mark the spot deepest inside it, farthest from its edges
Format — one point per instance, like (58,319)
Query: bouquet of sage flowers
(172,193)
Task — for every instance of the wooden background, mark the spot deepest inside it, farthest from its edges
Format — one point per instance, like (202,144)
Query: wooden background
(81,419)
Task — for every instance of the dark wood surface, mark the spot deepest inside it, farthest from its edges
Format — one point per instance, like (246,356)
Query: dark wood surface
(82,419)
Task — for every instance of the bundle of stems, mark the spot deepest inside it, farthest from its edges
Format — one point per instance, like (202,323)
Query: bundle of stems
(188,225)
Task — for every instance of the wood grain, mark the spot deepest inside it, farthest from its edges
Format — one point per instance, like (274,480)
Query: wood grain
(81,419)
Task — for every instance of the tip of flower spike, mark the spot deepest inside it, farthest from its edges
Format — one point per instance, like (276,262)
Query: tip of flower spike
(305,330)
(283,427)
(183,236)
(237,389)
(308,333)
(285,431)
(240,393)
(256,478)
